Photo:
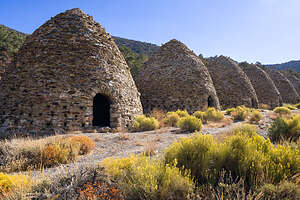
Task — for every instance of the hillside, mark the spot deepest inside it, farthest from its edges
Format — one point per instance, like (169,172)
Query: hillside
(294,64)
(136,46)
(11,39)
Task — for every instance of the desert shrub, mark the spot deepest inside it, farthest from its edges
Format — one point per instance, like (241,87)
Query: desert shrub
(282,110)
(240,113)
(297,105)
(159,115)
(211,114)
(144,178)
(190,123)
(86,144)
(285,129)
(289,106)
(199,114)
(229,110)
(245,129)
(143,123)
(242,156)
(59,152)
(284,191)
(171,119)
(255,116)
(11,183)
(182,113)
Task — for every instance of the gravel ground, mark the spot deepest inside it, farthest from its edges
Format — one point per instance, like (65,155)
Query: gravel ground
(124,144)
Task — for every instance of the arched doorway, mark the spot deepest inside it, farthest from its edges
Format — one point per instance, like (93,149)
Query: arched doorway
(210,102)
(101,111)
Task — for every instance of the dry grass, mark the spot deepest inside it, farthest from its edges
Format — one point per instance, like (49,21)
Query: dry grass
(159,115)
(23,154)
(264,106)
(223,123)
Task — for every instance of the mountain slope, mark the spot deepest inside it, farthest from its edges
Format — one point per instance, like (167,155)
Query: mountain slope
(294,64)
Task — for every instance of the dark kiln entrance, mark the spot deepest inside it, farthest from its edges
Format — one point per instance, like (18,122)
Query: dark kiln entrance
(210,102)
(101,111)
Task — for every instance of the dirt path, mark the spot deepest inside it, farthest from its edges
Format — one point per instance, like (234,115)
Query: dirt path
(124,144)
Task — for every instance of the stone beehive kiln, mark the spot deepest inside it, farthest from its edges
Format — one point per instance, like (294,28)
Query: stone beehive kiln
(175,78)
(69,74)
(285,87)
(232,84)
(265,89)
(4,60)
(293,79)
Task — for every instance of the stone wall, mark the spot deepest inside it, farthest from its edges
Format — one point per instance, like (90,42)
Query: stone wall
(265,89)
(293,79)
(4,60)
(232,84)
(285,87)
(175,78)
(51,84)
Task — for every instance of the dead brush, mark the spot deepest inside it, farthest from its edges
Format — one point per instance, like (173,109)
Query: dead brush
(123,136)
(223,123)
(160,115)
(150,148)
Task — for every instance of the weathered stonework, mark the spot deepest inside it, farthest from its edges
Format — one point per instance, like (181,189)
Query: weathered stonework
(62,66)
(265,89)
(293,79)
(232,84)
(175,78)
(4,60)
(284,86)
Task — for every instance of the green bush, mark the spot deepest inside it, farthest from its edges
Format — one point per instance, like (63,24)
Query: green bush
(240,113)
(285,129)
(144,178)
(143,123)
(171,119)
(282,110)
(190,123)
(255,116)
(282,191)
(251,158)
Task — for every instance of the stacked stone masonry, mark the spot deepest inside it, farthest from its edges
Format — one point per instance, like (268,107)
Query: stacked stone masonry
(265,89)
(62,66)
(232,84)
(175,78)
(293,79)
(284,86)
(4,60)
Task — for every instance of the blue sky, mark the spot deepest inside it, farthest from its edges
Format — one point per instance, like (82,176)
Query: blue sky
(246,30)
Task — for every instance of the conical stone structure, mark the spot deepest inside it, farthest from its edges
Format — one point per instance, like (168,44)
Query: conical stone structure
(175,78)
(232,84)
(285,87)
(265,89)
(4,60)
(293,79)
(69,74)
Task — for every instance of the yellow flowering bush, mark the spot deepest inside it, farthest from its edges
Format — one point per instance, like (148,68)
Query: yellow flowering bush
(282,111)
(143,123)
(211,114)
(144,178)
(190,123)
(10,183)
(171,119)
(244,155)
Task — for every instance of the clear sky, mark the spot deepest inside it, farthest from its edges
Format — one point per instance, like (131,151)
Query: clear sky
(246,30)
